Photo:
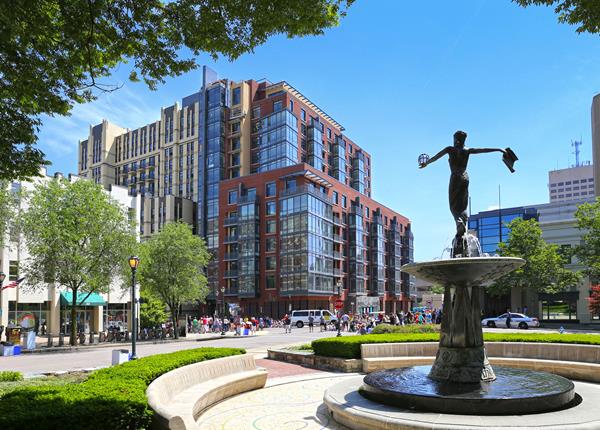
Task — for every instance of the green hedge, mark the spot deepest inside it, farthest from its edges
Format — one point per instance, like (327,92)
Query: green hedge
(349,346)
(411,328)
(111,398)
(10,376)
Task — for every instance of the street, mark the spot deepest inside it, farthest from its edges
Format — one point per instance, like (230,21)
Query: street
(30,364)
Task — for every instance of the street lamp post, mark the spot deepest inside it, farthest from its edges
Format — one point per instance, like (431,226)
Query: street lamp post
(223,313)
(2,277)
(133,263)
(339,320)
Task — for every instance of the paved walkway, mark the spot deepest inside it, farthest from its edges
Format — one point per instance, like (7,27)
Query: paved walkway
(291,400)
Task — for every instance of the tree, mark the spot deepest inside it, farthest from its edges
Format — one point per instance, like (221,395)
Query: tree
(588,253)
(54,53)
(77,236)
(152,311)
(585,14)
(437,289)
(543,270)
(172,266)
(594,300)
(7,211)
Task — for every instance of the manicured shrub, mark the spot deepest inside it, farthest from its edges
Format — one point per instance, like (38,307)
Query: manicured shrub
(349,346)
(411,328)
(111,398)
(10,376)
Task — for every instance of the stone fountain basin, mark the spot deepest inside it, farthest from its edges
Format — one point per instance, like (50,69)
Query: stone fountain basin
(464,271)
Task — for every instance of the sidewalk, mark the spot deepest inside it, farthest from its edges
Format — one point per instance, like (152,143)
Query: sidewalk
(42,342)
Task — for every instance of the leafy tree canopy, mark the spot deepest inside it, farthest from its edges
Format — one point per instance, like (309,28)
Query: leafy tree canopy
(585,14)
(152,311)
(172,264)
(54,53)
(588,220)
(77,237)
(543,270)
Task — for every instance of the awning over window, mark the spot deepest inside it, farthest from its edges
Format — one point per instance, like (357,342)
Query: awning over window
(94,299)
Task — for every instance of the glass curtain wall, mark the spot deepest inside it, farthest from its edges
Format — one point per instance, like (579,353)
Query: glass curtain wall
(306,250)
(277,141)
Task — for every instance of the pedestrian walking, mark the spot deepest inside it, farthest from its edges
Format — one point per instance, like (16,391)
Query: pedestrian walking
(311,321)
(322,323)
(287,323)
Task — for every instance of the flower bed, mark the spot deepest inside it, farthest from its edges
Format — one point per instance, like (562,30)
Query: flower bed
(349,346)
(112,398)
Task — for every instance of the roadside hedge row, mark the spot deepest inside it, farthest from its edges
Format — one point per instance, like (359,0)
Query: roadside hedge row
(410,328)
(111,398)
(349,346)
(10,376)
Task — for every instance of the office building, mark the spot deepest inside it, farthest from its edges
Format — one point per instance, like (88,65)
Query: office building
(52,304)
(574,183)
(596,141)
(280,193)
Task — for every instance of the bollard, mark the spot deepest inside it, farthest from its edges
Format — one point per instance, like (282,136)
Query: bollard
(61,339)
(91,337)
(50,340)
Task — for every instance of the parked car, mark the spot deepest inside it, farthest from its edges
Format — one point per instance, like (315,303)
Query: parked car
(516,320)
(300,317)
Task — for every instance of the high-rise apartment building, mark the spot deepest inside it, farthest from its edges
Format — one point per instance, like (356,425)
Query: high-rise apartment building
(280,193)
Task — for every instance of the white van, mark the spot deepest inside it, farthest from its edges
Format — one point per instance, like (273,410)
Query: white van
(300,318)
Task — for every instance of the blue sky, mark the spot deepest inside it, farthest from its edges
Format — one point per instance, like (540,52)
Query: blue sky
(402,77)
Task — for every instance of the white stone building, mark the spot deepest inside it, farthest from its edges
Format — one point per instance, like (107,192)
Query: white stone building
(51,305)
(574,183)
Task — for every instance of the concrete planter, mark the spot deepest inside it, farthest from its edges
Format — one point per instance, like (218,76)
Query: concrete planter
(309,359)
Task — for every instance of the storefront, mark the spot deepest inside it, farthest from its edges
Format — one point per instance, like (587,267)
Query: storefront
(88,312)
(29,315)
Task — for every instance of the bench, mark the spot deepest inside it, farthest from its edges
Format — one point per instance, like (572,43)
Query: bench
(181,395)
(572,361)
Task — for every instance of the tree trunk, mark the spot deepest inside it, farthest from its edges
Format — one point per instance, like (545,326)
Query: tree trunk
(175,317)
(73,336)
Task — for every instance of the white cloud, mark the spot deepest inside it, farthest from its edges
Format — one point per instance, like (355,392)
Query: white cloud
(493,208)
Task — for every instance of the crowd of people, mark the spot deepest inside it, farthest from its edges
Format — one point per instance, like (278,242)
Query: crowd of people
(356,323)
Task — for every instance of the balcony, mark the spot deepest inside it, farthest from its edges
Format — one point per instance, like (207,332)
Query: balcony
(246,199)
(305,189)
(233,238)
(338,255)
(230,220)
(338,221)
(338,238)
(231,291)
(236,113)
(231,256)
(230,274)
(337,272)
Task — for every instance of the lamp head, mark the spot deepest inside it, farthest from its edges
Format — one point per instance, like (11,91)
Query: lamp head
(134,261)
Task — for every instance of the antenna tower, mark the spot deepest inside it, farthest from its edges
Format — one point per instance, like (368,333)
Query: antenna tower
(576,144)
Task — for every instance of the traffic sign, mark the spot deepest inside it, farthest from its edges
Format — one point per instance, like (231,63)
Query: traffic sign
(339,304)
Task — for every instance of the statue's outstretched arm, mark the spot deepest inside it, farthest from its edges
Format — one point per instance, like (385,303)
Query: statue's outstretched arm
(436,157)
(484,150)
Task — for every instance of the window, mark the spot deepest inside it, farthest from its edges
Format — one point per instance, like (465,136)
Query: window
(290,184)
(270,244)
(344,201)
(271,208)
(366,212)
(328,133)
(270,189)
(256,112)
(271,263)
(235,127)
(235,143)
(271,225)
(335,197)
(270,282)
(13,270)
(251,193)
(237,96)
(277,106)
(292,105)
(233,197)
(303,114)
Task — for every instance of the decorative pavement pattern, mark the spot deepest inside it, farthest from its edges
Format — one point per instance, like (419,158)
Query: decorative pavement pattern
(286,403)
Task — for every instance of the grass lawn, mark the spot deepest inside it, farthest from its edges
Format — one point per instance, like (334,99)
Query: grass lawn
(43,381)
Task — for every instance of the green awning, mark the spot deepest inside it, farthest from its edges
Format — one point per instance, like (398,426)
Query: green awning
(94,299)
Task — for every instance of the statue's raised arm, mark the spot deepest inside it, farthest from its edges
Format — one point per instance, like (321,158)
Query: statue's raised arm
(485,150)
(436,157)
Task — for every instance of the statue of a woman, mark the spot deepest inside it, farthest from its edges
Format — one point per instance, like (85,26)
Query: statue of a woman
(458,191)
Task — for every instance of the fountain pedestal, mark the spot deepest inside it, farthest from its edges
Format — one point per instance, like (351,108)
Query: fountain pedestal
(461,380)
